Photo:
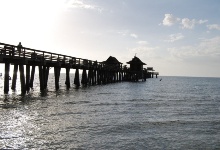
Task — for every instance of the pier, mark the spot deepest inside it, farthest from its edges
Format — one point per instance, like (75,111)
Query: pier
(93,72)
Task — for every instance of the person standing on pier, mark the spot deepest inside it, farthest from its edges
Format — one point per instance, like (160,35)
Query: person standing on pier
(19,47)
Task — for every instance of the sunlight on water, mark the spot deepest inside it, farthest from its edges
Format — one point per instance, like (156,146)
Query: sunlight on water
(175,113)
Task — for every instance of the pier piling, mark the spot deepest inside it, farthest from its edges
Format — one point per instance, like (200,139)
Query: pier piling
(41,78)
(6,78)
(67,82)
(32,76)
(57,77)
(22,79)
(27,78)
(14,79)
(84,80)
(95,77)
(76,79)
(46,74)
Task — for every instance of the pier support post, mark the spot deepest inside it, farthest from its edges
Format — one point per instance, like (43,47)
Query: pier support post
(76,79)
(14,79)
(67,82)
(125,76)
(27,78)
(103,77)
(84,80)
(6,78)
(41,78)
(89,76)
(22,79)
(32,76)
(145,76)
(57,76)
(115,76)
(46,74)
(107,77)
(98,77)
(95,77)
(120,76)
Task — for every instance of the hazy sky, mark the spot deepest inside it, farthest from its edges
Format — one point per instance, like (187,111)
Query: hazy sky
(176,37)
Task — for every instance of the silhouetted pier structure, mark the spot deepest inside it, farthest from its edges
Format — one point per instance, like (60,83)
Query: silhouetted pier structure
(93,72)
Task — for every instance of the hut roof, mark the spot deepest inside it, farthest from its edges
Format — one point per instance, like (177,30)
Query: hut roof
(112,60)
(136,60)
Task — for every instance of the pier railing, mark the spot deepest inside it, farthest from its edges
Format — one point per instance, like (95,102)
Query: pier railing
(43,57)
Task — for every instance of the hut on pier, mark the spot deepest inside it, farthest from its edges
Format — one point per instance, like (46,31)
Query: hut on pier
(113,67)
(136,69)
(112,64)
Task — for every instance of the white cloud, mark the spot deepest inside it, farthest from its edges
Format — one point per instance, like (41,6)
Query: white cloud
(187,23)
(142,42)
(134,35)
(208,48)
(122,32)
(202,21)
(169,20)
(83,5)
(213,26)
(175,37)
(145,51)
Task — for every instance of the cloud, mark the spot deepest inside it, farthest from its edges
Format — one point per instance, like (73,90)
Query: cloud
(169,20)
(175,37)
(81,4)
(145,51)
(142,42)
(202,21)
(185,23)
(207,48)
(134,35)
(121,32)
(213,26)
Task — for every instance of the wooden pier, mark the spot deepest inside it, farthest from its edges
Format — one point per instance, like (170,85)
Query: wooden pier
(93,72)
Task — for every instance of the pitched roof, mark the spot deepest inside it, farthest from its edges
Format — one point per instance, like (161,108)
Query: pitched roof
(136,60)
(112,60)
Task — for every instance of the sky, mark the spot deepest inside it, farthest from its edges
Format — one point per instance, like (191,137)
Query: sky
(175,37)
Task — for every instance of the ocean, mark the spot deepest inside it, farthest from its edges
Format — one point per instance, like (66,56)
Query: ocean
(174,113)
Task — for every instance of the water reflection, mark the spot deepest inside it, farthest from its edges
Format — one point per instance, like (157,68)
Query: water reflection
(17,127)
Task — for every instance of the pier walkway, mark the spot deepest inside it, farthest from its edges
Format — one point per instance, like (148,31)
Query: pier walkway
(93,72)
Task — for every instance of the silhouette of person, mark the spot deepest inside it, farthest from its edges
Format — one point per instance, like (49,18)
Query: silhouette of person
(19,47)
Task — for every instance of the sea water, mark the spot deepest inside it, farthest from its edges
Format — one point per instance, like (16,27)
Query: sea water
(174,113)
